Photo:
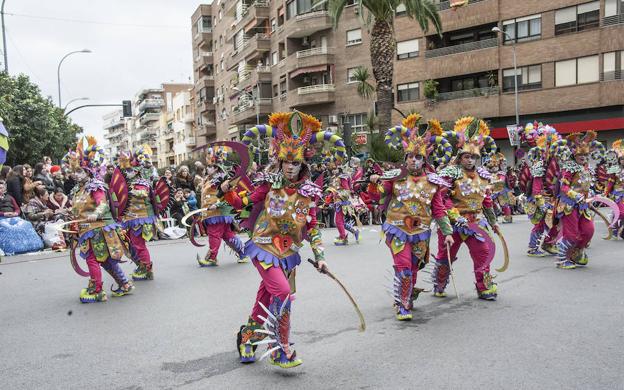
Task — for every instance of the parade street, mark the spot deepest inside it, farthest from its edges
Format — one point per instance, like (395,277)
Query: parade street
(549,329)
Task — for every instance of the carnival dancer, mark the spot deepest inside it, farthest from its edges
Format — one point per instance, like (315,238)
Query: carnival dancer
(574,194)
(502,185)
(369,192)
(217,216)
(282,216)
(99,236)
(412,200)
(615,184)
(138,217)
(538,181)
(468,197)
(341,187)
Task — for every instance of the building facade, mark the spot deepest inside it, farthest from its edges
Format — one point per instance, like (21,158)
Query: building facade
(277,55)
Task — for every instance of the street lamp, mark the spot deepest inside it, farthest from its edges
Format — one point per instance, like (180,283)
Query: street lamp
(74,100)
(4,45)
(58,70)
(515,64)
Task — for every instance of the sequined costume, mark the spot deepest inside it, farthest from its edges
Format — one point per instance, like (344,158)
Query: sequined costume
(283,214)
(614,188)
(467,199)
(412,200)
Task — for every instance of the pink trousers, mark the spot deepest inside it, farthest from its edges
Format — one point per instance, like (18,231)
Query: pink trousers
(111,266)
(479,252)
(139,248)
(217,233)
(273,284)
(340,224)
(403,260)
(577,229)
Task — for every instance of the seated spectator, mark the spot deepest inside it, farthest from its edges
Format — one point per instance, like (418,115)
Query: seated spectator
(58,179)
(180,207)
(42,217)
(15,184)
(59,203)
(169,177)
(110,168)
(5,172)
(41,175)
(70,183)
(29,185)
(16,234)
(191,199)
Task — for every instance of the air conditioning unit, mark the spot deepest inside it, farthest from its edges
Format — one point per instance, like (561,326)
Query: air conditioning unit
(305,41)
(333,119)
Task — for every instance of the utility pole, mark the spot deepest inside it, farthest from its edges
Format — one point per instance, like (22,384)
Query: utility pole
(4,45)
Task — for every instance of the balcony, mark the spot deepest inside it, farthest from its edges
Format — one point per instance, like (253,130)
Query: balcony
(149,117)
(613,20)
(248,112)
(313,94)
(206,105)
(205,82)
(612,76)
(254,76)
(311,58)
(469,93)
(258,10)
(250,48)
(449,50)
(203,36)
(115,122)
(444,5)
(150,103)
(307,24)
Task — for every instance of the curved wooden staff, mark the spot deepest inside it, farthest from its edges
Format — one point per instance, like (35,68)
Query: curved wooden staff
(187,216)
(355,305)
(61,225)
(505,252)
(450,264)
(606,221)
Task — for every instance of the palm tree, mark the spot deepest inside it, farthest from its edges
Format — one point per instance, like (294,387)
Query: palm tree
(380,14)
(365,89)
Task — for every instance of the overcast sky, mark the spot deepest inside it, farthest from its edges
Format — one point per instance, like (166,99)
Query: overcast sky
(135,44)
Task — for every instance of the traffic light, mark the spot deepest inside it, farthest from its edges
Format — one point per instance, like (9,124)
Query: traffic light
(127,108)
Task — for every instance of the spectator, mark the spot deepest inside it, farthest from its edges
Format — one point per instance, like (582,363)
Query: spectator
(184,179)
(15,184)
(8,206)
(5,172)
(70,182)
(43,218)
(200,172)
(16,235)
(59,203)
(179,208)
(110,168)
(47,163)
(29,184)
(191,199)
(41,174)
(58,180)
(169,177)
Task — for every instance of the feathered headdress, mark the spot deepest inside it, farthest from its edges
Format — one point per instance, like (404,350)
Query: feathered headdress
(217,156)
(423,143)
(143,155)
(615,153)
(495,160)
(472,135)
(292,135)
(578,143)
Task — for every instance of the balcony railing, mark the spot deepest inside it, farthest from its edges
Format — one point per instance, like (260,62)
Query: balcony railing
(314,14)
(316,88)
(445,51)
(469,93)
(613,75)
(312,52)
(447,4)
(613,20)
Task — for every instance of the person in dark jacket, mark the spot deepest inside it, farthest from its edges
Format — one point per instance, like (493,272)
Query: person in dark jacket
(15,184)
(41,174)
(8,205)
(184,179)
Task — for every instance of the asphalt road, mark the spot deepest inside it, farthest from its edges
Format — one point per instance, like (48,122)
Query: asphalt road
(550,328)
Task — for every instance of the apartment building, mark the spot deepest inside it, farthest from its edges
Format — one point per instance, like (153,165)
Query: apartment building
(177,136)
(277,55)
(146,126)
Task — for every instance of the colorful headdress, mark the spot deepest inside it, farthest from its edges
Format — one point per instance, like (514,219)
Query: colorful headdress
(88,155)
(423,143)
(471,135)
(216,156)
(616,152)
(126,160)
(293,133)
(494,160)
(578,143)
(143,155)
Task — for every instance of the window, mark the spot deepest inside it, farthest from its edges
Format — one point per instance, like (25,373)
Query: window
(612,65)
(529,77)
(577,18)
(354,36)
(408,92)
(304,6)
(291,10)
(357,121)
(407,49)
(577,71)
(204,24)
(220,15)
(222,65)
(523,29)
(614,7)
(274,58)
(351,75)
(273,25)
(283,87)
(400,10)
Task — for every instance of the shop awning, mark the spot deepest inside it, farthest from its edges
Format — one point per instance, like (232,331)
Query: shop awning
(572,127)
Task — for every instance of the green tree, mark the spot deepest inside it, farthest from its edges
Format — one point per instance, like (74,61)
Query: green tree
(379,16)
(364,89)
(377,148)
(37,127)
